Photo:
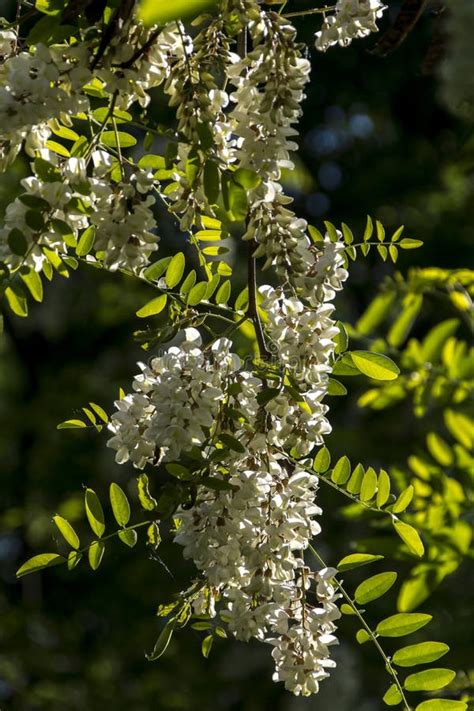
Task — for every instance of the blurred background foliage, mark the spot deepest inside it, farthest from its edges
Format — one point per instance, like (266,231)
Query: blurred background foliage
(374,139)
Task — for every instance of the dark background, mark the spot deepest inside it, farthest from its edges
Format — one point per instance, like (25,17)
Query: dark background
(374,139)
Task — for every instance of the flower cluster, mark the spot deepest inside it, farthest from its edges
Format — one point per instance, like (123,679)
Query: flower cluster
(61,201)
(249,544)
(35,87)
(175,403)
(254,511)
(203,126)
(352,19)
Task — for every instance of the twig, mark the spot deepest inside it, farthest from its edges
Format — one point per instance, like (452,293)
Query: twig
(368,629)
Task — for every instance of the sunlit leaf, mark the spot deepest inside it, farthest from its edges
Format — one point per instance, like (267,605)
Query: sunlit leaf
(374,587)
(410,537)
(120,505)
(375,365)
(94,512)
(96,553)
(422,653)
(356,560)
(67,531)
(402,624)
(429,680)
(38,562)
(153,307)
(163,640)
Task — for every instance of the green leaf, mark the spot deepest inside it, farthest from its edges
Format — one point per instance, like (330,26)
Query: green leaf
(404,500)
(153,307)
(67,531)
(238,202)
(315,235)
(152,161)
(175,270)
(71,425)
(355,482)
(369,485)
(120,505)
(96,553)
(223,293)
(374,587)
(147,501)
(460,426)
(38,562)
(441,705)
(248,179)
(407,243)
(17,300)
(347,609)
(242,300)
(163,640)
(393,696)
(128,536)
(362,636)
(232,442)
(347,234)
(94,512)
(342,471)
(73,559)
(356,560)
(157,269)
(35,286)
(211,182)
(410,537)
(188,283)
(402,624)
(100,412)
(153,535)
(402,325)
(331,231)
(380,231)
(422,653)
(429,680)
(383,488)
(369,229)
(86,242)
(120,116)
(383,251)
(433,343)
(119,138)
(197,293)
(393,251)
(322,460)
(17,242)
(375,313)
(56,147)
(439,449)
(336,388)
(375,365)
(207,645)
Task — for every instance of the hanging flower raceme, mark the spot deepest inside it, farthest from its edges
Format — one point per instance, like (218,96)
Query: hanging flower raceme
(205,148)
(61,200)
(352,19)
(248,543)
(175,403)
(35,87)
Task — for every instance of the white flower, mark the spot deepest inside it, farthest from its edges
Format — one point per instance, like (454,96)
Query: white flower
(352,19)
(175,403)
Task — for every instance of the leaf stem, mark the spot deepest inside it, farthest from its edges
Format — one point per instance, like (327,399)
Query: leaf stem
(373,636)
(335,486)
